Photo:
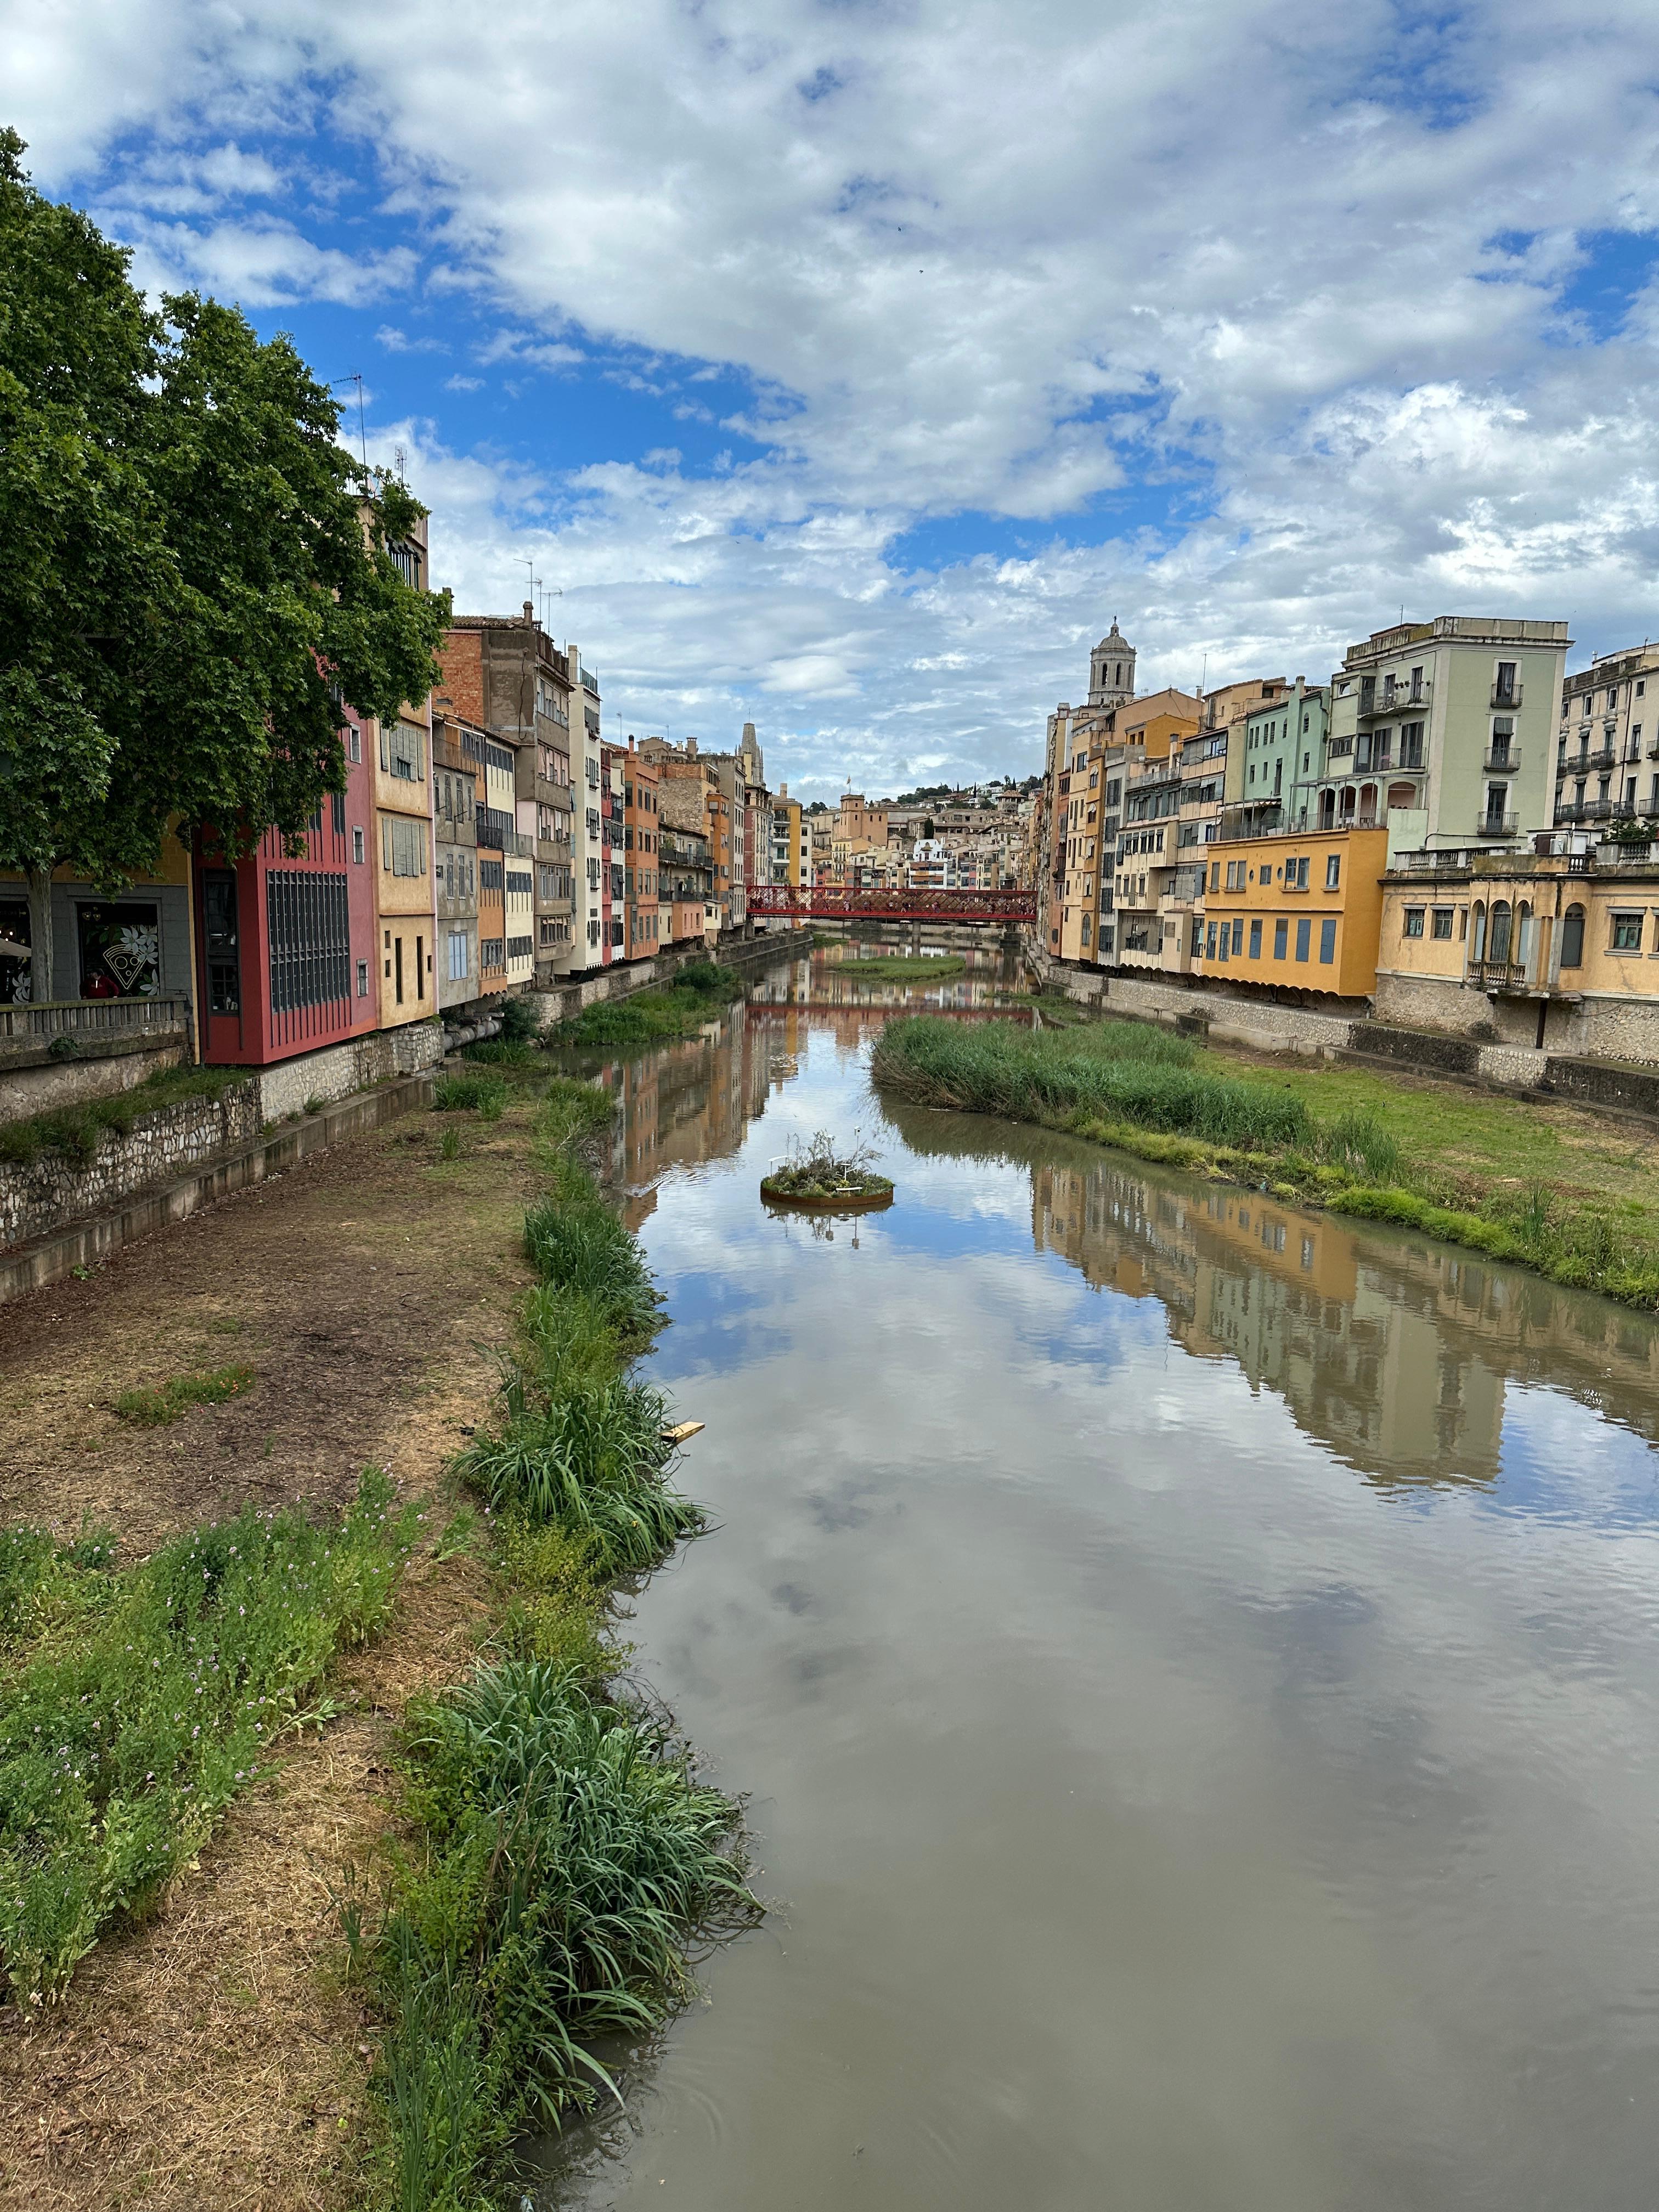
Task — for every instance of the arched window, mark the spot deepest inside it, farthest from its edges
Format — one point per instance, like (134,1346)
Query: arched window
(1573,938)
(1402,794)
(1347,804)
(1498,935)
(1368,803)
(1478,933)
(1327,809)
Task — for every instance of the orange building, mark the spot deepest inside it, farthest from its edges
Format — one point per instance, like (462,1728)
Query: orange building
(643,844)
(1302,910)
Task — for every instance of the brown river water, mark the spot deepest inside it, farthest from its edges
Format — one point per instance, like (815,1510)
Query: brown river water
(1192,1666)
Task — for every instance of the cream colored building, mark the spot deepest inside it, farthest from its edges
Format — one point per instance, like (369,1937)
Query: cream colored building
(1556,952)
(1607,746)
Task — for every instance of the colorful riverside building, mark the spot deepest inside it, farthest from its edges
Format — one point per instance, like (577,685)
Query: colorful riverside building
(1300,912)
(642,853)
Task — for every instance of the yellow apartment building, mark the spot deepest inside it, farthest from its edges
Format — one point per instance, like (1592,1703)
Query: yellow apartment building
(1300,911)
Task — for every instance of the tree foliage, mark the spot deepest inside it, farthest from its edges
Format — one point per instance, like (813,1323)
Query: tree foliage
(197,573)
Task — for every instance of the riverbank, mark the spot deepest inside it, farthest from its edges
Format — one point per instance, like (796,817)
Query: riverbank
(1548,1188)
(222,2052)
(697,993)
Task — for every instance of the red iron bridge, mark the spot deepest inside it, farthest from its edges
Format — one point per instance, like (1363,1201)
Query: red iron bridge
(841,903)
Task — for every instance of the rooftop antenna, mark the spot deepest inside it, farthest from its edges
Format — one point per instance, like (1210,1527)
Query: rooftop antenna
(400,460)
(356,378)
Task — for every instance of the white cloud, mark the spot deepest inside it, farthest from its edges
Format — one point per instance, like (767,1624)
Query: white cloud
(1300,270)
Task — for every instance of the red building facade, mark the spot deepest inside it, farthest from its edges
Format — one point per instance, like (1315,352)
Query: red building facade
(284,941)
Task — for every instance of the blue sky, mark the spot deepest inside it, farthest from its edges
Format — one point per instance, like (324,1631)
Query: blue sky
(847,365)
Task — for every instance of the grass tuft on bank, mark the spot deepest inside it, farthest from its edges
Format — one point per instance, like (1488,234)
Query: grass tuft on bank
(695,995)
(153,1699)
(1156,1095)
(154,1405)
(562,1858)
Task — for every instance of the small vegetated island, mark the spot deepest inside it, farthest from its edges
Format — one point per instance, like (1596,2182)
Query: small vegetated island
(822,1179)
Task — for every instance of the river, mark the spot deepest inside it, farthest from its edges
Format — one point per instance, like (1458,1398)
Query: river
(1192,1667)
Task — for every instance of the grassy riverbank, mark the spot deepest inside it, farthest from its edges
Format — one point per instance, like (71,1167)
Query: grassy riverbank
(697,994)
(1522,1183)
(560,1855)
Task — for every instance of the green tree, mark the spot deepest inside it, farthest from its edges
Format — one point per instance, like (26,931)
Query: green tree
(197,573)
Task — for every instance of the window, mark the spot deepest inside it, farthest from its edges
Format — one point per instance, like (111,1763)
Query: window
(491,875)
(1215,875)
(1497,942)
(1281,940)
(309,937)
(354,742)
(1209,946)
(1295,874)
(1573,938)
(363,979)
(1333,870)
(1303,932)
(1504,688)
(1627,933)
(1328,941)
(1411,745)
(402,845)
(458,955)
(219,926)
(1443,921)
(1255,940)
(1414,921)
(357,847)
(403,752)
(338,796)
(1238,939)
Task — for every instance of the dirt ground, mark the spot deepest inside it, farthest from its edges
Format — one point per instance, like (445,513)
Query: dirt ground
(213,2057)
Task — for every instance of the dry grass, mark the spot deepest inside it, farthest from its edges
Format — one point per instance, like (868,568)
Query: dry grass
(214,2058)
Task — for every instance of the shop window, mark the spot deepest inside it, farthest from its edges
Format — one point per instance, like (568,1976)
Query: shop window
(14,952)
(119,948)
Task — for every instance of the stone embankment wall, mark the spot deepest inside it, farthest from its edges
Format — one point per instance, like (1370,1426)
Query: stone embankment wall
(339,1070)
(39,1195)
(51,1084)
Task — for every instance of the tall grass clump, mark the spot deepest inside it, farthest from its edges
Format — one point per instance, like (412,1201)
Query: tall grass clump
(123,1740)
(580,1443)
(565,1861)
(1112,1072)
(483,1095)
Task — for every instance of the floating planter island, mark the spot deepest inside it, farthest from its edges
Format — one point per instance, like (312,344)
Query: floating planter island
(819,1181)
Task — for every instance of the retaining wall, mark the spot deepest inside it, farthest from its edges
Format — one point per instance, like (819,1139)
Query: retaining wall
(79,1243)
(54,1083)
(340,1070)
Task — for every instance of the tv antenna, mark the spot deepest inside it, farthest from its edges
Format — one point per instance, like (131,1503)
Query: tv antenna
(356,378)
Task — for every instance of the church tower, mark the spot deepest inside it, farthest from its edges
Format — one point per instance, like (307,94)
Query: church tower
(1112,670)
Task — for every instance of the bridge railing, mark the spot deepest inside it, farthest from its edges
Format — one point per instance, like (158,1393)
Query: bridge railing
(846,902)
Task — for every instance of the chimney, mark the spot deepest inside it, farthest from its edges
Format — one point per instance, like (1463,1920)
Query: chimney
(530,613)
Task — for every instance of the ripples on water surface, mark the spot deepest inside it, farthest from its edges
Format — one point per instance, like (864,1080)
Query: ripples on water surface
(1194,1666)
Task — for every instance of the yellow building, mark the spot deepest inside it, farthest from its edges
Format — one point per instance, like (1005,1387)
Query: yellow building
(1302,910)
(1556,951)
(405,882)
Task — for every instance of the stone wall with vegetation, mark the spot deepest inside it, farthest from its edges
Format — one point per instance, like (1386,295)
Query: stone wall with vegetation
(39,1195)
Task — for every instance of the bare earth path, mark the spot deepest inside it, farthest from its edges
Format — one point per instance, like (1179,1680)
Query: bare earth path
(212,2058)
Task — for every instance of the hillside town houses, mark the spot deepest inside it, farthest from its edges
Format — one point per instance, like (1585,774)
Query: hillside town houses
(1448,832)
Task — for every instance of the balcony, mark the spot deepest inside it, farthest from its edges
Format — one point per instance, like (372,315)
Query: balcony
(1501,698)
(1399,698)
(90,1029)
(1500,975)
(1502,760)
(1586,763)
(1496,825)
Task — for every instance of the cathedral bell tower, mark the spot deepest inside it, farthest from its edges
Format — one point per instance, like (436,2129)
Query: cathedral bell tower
(1112,670)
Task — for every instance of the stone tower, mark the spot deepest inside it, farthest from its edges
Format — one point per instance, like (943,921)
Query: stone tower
(1112,670)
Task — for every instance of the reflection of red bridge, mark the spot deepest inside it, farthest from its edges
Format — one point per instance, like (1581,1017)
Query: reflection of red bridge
(841,903)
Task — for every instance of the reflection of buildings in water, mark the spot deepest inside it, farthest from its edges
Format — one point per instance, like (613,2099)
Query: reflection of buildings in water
(1393,1352)
(833,981)
(690,1101)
